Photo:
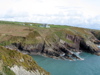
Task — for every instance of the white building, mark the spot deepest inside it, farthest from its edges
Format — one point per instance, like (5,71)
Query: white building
(45,26)
(30,24)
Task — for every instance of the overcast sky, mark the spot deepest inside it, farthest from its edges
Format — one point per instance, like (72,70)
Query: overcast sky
(83,13)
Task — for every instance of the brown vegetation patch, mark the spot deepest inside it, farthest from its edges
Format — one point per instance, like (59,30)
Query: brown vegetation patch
(15,30)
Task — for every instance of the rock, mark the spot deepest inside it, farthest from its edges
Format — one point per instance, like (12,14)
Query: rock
(56,42)
(13,62)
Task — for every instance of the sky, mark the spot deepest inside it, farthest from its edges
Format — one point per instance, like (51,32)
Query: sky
(81,13)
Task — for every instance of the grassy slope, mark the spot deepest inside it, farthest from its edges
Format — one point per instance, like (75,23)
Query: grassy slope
(12,57)
(20,32)
(11,32)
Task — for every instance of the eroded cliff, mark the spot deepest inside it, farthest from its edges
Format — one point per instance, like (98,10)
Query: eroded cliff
(13,62)
(59,43)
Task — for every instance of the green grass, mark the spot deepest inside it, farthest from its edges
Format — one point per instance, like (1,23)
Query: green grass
(59,26)
(21,23)
(10,40)
(36,34)
(13,57)
(68,41)
(96,33)
(10,22)
(7,71)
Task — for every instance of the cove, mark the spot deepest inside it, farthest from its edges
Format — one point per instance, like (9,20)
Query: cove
(89,66)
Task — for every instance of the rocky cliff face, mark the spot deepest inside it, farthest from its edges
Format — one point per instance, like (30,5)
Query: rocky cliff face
(13,62)
(58,43)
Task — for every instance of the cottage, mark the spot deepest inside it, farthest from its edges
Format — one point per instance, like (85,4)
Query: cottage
(30,24)
(45,26)
(23,24)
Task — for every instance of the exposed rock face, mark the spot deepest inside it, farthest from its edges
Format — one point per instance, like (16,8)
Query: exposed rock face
(59,43)
(60,49)
(21,71)
(13,62)
(96,33)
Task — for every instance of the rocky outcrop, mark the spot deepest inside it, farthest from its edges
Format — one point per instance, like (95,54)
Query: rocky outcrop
(21,71)
(60,49)
(13,62)
(58,43)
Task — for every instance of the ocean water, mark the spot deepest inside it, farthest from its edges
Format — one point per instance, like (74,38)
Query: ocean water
(89,66)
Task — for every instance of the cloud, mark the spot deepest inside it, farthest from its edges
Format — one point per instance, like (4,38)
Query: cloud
(12,14)
(73,18)
(64,12)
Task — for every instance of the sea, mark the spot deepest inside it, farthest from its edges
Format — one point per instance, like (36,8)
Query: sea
(89,66)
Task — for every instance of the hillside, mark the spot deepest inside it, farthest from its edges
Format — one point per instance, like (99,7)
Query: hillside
(59,42)
(13,62)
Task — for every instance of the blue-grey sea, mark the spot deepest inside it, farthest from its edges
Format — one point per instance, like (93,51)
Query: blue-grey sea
(89,66)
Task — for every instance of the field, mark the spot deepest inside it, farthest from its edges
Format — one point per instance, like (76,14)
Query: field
(21,28)
(32,33)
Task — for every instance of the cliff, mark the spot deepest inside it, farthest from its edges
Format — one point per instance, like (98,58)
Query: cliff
(13,62)
(59,42)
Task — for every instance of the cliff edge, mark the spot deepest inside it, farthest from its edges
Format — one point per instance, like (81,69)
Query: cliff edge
(59,42)
(13,62)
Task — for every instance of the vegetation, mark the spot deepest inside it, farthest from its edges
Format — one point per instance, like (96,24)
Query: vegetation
(12,57)
(59,26)
(19,23)
(10,22)
(31,33)
(96,33)
(7,71)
